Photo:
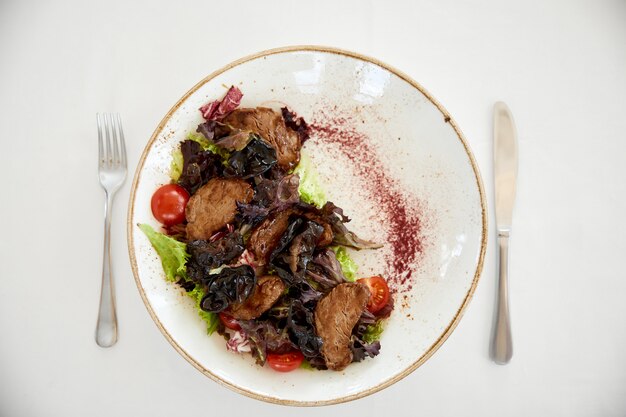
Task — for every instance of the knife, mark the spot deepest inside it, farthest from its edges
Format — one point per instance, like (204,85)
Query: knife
(505,176)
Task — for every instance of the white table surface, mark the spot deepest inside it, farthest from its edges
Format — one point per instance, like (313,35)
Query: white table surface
(561,67)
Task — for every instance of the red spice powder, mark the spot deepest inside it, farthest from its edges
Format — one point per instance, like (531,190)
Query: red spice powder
(399,210)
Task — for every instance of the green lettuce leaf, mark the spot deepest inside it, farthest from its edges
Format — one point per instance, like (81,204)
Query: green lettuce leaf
(309,189)
(348,266)
(211,319)
(306,365)
(208,145)
(176,166)
(373,332)
(174,257)
(173,253)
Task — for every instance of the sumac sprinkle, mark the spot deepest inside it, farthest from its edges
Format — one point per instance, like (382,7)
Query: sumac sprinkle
(399,209)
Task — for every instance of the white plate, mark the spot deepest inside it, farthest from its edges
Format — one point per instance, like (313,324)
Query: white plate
(394,160)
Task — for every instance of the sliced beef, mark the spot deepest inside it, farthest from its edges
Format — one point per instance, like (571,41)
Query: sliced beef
(265,236)
(271,127)
(335,316)
(268,290)
(214,205)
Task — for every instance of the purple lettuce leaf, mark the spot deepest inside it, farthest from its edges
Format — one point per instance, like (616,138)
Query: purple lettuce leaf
(308,294)
(277,194)
(286,192)
(235,141)
(325,269)
(342,236)
(295,123)
(366,320)
(251,214)
(199,166)
(361,350)
(213,130)
(265,337)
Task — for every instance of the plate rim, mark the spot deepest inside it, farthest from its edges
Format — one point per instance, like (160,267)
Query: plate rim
(458,315)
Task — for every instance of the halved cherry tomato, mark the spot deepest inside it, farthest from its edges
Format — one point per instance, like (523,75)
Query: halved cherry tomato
(379,292)
(168,204)
(229,321)
(285,362)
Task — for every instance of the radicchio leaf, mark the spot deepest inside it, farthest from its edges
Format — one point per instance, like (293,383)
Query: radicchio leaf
(238,342)
(217,109)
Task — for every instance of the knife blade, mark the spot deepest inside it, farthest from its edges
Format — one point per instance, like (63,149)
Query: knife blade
(505,160)
(505,163)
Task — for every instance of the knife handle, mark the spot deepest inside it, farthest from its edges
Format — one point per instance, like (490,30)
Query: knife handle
(502,343)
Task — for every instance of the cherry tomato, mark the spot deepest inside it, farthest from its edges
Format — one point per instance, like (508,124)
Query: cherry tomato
(229,321)
(285,362)
(379,292)
(168,204)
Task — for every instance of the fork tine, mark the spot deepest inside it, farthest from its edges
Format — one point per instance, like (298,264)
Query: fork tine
(100,146)
(116,153)
(122,141)
(107,131)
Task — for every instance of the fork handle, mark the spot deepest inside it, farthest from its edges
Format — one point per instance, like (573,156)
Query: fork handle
(502,343)
(106,329)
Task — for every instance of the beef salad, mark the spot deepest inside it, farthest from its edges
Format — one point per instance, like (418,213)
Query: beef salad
(248,234)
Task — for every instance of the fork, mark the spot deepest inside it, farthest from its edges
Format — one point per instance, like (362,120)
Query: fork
(112,173)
